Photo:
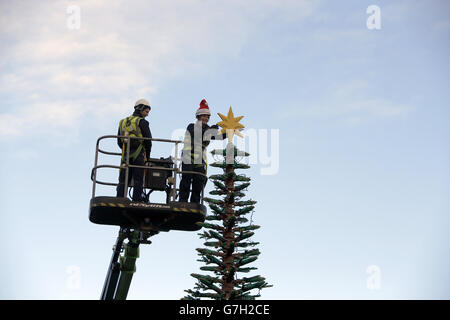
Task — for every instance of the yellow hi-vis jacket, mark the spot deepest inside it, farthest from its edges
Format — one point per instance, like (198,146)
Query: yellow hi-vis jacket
(130,127)
(196,139)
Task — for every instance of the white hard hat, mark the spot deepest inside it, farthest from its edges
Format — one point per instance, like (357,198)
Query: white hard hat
(143,102)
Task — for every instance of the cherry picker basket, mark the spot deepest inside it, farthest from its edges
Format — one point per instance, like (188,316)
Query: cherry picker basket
(161,175)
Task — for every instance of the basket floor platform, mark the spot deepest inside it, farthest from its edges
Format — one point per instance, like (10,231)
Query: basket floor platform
(123,212)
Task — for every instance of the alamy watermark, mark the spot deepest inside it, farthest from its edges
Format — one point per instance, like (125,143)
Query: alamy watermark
(374,280)
(263,145)
(73,281)
(373,22)
(74,17)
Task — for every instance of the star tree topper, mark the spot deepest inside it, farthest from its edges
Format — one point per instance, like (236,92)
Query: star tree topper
(230,125)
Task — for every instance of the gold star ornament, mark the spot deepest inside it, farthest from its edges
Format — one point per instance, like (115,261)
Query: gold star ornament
(230,124)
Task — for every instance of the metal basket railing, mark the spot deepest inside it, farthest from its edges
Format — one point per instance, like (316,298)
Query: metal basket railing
(126,165)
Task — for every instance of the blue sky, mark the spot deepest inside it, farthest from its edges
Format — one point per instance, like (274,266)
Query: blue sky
(362,117)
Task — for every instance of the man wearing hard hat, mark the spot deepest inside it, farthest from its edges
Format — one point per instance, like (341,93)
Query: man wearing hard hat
(135,126)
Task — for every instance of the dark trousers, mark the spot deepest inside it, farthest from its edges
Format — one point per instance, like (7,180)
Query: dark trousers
(188,179)
(138,177)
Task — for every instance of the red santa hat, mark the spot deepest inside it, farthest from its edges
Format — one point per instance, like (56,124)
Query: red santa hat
(204,109)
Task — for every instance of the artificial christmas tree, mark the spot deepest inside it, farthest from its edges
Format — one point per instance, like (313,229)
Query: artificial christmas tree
(228,247)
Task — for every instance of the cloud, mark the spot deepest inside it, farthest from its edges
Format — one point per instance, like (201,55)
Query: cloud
(356,109)
(353,102)
(51,76)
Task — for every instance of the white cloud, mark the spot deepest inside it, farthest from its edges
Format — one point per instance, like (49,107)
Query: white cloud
(354,102)
(355,109)
(122,49)
(350,88)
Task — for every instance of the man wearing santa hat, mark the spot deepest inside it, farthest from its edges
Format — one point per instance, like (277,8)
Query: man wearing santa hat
(196,139)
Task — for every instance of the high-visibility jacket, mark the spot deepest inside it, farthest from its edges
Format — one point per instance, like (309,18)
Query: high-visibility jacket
(196,139)
(130,127)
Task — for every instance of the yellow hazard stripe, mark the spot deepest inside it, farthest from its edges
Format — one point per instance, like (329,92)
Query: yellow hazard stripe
(109,204)
(187,210)
(121,205)
(181,209)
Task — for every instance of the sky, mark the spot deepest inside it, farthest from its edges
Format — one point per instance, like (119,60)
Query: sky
(346,113)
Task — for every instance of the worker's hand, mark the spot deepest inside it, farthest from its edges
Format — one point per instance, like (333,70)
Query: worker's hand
(215,126)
